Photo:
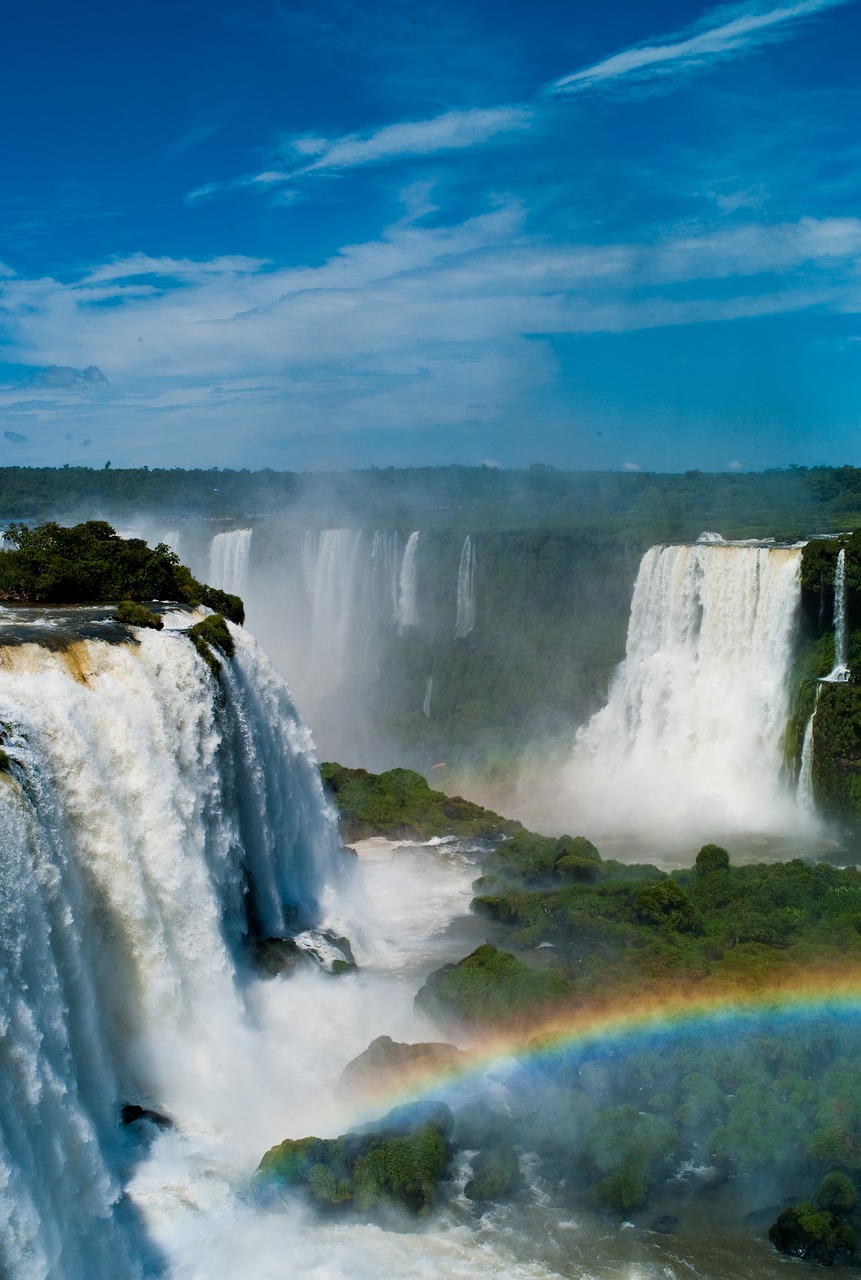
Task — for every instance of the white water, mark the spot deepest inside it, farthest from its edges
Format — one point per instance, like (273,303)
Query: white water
(228,560)
(839,673)
(426,705)
(407,612)
(691,737)
(465,590)
(144,817)
(805,772)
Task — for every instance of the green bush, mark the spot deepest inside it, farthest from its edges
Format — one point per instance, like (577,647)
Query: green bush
(132,614)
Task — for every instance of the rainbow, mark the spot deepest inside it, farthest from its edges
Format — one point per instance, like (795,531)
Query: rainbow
(632,1020)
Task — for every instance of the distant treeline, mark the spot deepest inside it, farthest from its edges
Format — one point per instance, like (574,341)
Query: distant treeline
(650,506)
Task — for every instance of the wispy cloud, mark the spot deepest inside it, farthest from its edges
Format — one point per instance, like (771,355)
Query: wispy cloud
(454,130)
(721,33)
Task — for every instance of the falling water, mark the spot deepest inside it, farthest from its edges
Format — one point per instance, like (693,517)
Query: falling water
(839,673)
(407,584)
(228,560)
(805,772)
(465,590)
(331,559)
(692,732)
(148,818)
(426,705)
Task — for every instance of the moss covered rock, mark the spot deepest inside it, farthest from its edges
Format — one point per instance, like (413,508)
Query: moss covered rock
(496,1175)
(490,988)
(400,805)
(397,1162)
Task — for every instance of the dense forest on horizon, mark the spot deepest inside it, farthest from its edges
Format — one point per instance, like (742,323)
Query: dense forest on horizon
(649,506)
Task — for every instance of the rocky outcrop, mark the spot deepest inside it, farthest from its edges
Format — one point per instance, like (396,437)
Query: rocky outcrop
(387,1065)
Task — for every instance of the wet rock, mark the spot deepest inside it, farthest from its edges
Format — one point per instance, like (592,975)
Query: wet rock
(387,1064)
(496,1175)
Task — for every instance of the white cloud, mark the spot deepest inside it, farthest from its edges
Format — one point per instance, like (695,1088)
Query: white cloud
(454,130)
(413,329)
(730,30)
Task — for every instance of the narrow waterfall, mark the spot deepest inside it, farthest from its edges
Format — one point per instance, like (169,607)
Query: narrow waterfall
(228,560)
(693,727)
(426,705)
(465,590)
(805,772)
(839,673)
(407,584)
(149,818)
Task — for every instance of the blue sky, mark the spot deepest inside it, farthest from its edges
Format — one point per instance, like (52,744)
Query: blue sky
(315,235)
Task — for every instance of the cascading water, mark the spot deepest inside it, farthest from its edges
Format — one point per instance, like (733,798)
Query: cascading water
(228,560)
(691,735)
(426,705)
(330,560)
(839,673)
(407,615)
(148,820)
(465,590)
(805,772)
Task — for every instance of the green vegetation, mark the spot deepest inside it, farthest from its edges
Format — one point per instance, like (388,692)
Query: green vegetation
(398,1162)
(490,988)
(132,614)
(819,1230)
(90,563)
(836,729)
(616,927)
(212,633)
(495,1175)
(401,805)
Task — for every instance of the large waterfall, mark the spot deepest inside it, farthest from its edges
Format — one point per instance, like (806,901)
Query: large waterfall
(692,732)
(150,819)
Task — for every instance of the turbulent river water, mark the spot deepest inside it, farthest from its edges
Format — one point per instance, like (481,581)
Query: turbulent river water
(406,913)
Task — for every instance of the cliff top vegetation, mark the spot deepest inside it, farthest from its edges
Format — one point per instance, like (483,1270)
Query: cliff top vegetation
(91,563)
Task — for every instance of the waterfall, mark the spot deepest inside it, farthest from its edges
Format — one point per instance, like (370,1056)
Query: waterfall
(426,705)
(805,772)
(149,817)
(839,673)
(465,590)
(407,584)
(693,728)
(330,560)
(228,560)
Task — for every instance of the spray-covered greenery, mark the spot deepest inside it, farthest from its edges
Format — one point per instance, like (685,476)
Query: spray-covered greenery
(616,926)
(490,988)
(90,562)
(400,804)
(398,1162)
(819,1230)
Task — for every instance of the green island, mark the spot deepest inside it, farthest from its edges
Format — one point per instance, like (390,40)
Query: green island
(755,1102)
(400,805)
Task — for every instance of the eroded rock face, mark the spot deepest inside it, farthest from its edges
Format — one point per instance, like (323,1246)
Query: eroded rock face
(387,1064)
